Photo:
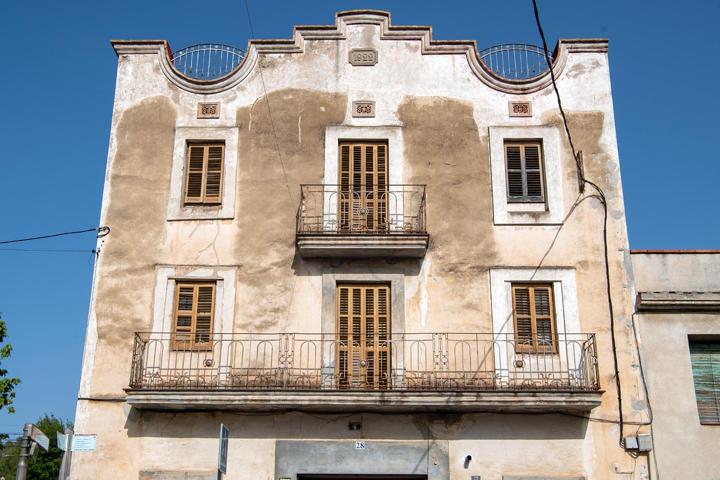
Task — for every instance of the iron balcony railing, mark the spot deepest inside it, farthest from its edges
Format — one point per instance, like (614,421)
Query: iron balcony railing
(208,61)
(515,61)
(361,209)
(408,361)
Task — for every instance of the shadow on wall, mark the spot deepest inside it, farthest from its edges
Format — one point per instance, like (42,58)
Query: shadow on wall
(306,426)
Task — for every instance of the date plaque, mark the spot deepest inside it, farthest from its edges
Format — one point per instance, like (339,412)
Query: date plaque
(363,57)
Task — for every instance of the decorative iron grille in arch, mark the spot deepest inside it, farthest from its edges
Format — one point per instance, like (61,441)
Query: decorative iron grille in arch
(515,61)
(207,61)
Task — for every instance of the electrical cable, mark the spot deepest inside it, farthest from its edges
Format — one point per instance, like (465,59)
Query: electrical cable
(99,230)
(603,202)
(267,101)
(51,250)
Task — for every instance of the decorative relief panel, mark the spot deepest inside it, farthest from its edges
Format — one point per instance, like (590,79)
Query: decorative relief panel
(363,56)
(208,110)
(363,108)
(520,109)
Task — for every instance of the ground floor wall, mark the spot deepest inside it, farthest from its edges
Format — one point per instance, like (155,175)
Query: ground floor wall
(133,444)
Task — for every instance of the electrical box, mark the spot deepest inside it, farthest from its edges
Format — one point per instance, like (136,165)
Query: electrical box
(644,442)
(631,443)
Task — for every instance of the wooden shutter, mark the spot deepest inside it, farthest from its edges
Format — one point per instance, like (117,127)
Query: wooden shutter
(363,329)
(363,186)
(705,359)
(193,318)
(534,318)
(203,183)
(524,169)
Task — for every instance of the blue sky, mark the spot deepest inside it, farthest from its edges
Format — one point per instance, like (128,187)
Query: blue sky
(57,79)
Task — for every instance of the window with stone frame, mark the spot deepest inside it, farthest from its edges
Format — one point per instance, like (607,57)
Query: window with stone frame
(524,171)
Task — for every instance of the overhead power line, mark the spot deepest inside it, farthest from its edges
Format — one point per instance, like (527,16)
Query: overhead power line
(101,231)
(603,202)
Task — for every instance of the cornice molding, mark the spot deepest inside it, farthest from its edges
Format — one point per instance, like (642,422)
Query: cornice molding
(678,301)
(303,33)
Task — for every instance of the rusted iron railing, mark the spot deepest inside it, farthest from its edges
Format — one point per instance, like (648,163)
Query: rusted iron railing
(515,61)
(208,61)
(409,361)
(358,209)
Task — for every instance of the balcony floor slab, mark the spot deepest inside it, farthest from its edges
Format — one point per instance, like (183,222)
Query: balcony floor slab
(357,245)
(385,401)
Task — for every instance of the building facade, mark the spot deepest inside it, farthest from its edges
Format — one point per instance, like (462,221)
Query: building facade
(678,320)
(366,252)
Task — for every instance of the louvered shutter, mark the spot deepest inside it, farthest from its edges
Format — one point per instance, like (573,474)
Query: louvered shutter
(363,186)
(363,328)
(534,314)
(195,173)
(705,360)
(203,184)
(523,317)
(523,165)
(513,158)
(543,318)
(194,312)
(213,176)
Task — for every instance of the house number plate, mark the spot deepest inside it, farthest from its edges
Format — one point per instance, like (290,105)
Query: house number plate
(359,445)
(363,108)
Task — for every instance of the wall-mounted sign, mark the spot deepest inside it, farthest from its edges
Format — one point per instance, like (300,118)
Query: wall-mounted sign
(223,449)
(363,56)
(360,446)
(84,443)
(363,108)
(520,109)
(208,110)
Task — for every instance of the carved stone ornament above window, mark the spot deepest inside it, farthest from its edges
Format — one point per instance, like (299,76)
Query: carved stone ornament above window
(363,108)
(520,109)
(208,110)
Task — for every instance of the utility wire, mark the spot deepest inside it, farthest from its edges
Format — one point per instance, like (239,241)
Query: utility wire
(267,101)
(99,230)
(45,250)
(603,201)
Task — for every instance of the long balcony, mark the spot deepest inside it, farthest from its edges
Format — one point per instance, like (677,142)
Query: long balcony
(407,372)
(360,221)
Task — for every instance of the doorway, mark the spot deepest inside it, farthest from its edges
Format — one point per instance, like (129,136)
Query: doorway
(363,189)
(363,336)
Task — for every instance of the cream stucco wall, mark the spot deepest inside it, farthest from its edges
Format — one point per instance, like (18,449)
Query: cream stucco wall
(440,115)
(683,447)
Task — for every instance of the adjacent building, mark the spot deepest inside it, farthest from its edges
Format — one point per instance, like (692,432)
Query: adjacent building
(678,318)
(369,254)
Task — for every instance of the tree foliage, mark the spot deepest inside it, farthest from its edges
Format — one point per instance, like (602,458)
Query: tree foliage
(7,385)
(45,465)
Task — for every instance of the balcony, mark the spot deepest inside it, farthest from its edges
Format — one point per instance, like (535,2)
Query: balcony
(408,372)
(360,221)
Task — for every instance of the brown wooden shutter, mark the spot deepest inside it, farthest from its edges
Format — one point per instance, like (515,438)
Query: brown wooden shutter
(705,360)
(203,184)
(363,187)
(524,170)
(534,317)
(363,331)
(194,313)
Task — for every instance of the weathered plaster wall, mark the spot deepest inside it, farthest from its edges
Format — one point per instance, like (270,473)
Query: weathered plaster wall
(683,447)
(444,113)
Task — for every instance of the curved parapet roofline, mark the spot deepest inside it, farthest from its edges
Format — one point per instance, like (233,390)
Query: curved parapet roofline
(302,33)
